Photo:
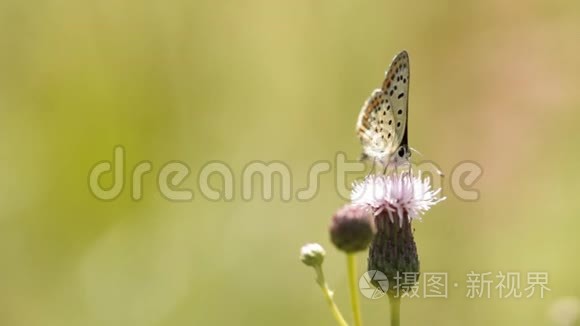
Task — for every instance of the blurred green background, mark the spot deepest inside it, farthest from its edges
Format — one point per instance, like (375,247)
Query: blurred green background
(493,82)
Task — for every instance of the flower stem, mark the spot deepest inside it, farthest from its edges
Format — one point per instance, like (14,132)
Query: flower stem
(354,301)
(395,303)
(328,296)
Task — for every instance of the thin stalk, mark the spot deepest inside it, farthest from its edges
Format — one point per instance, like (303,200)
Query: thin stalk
(328,296)
(354,300)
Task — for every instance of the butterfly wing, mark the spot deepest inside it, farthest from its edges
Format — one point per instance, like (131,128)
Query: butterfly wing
(382,121)
(396,88)
(376,127)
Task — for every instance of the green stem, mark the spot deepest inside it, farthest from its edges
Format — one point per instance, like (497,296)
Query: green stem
(328,296)
(354,301)
(395,303)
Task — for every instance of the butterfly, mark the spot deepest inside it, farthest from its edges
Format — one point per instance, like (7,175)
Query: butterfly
(382,121)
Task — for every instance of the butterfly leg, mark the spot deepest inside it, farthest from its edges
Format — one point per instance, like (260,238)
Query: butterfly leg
(372,168)
(386,168)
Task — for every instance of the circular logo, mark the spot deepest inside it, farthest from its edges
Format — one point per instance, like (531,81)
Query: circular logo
(366,287)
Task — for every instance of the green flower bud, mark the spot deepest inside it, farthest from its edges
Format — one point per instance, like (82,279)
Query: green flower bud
(312,254)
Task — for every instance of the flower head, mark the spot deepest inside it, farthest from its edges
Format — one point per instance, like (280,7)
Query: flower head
(352,228)
(312,254)
(402,195)
(393,250)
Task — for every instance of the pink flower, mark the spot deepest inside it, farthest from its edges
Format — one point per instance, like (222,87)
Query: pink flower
(405,195)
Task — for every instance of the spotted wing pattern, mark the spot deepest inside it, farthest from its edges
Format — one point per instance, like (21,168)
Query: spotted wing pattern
(382,121)
(376,127)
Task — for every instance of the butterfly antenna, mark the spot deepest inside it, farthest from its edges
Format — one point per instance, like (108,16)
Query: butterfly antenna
(416,151)
(439,172)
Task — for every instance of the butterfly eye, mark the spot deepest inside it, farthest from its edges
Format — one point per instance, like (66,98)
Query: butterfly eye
(402,152)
